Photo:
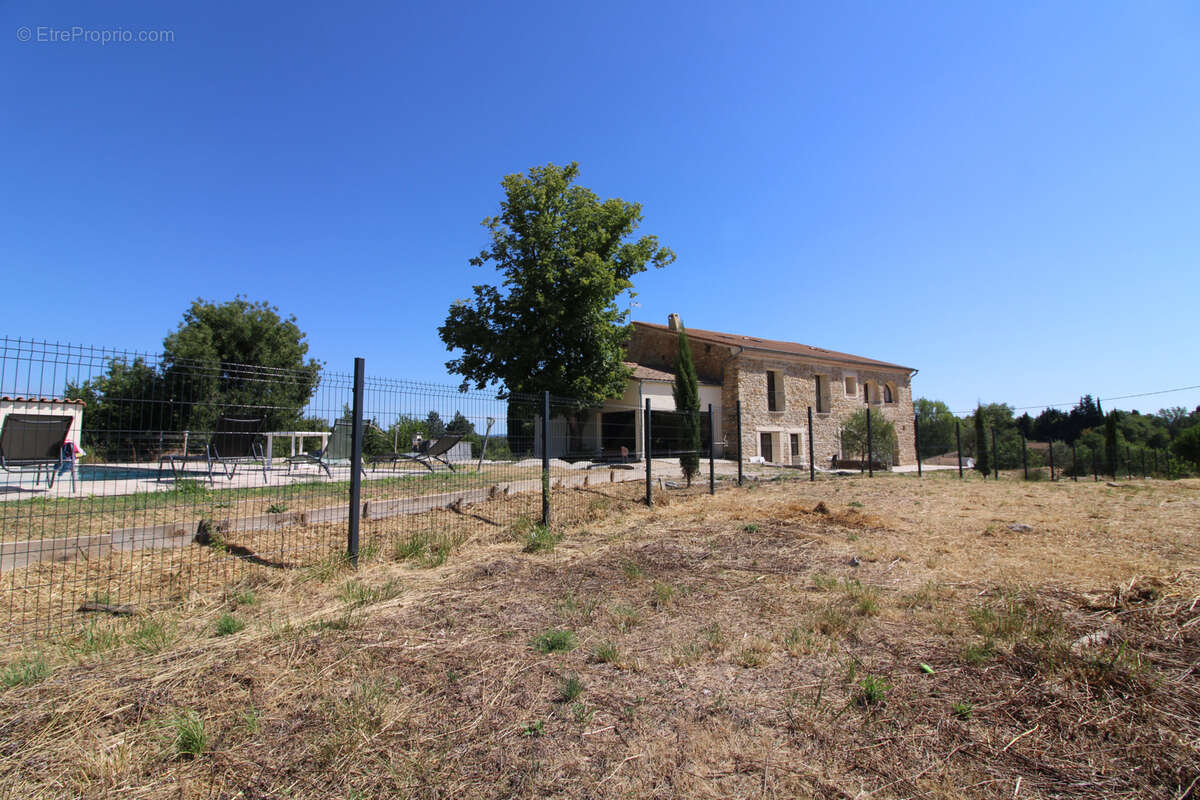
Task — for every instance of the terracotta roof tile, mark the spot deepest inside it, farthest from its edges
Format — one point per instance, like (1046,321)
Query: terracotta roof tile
(64,400)
(773,345)
(643,373)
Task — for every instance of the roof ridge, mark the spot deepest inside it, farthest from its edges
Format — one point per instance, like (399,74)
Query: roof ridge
(790,348)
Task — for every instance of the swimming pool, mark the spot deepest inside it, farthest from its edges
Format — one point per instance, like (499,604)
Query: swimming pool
(117,472)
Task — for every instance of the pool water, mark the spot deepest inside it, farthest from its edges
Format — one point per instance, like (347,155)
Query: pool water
(98,472)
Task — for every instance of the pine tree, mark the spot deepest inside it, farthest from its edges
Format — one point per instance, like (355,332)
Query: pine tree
(687,405)
(982,462)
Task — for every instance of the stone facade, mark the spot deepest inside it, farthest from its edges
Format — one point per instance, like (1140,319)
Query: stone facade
(741,371)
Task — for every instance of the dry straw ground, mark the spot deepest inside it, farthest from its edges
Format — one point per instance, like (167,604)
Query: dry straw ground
(850,638)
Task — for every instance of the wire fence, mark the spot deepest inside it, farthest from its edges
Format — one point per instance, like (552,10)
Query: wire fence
(1007,451)
(133,482)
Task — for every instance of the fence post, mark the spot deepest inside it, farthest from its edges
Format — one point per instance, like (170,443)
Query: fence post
(1128,463)
(812,465)
(870,447)
(739,440)
(546,459)
(917,441)
(1156,462)
(356,443)
(995,457)
(1095,465)
(1074,463)
(649,478)
(1024,457)
(1051,458)
(958,445)
(712,469)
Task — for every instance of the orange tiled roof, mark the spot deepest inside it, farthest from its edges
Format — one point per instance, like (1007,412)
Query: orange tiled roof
(776,346)
(63,400)
(643,373)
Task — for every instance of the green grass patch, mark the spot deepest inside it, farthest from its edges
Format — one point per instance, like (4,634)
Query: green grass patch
(606,653)
(95,637)
(357,594)
(570,690)
(662,595)
(555,640)
(872,691)
(25,672)
(190,737)
(632,570)
(229,624)
(539,538)
(151,636)
(626,618)
(428,548)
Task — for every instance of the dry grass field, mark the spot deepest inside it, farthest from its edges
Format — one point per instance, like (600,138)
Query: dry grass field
(851,638)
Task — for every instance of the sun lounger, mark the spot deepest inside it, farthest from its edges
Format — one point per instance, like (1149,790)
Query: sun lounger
(37,441)
(234,441)
(337,448)
(434,452)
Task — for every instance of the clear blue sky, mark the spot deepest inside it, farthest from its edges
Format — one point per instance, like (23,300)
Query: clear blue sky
(1006,197)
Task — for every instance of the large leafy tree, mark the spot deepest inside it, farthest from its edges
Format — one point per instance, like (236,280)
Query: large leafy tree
(687,405)
(235,357)
(936,424)
(121,406)
(1051,424)
(238,357)
(1177,418)
(882,444)
(553,323)
(1187,445)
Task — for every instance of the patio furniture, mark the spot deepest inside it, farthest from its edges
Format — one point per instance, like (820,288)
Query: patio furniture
(233,441)
(430,452)
(297,441)
(37,440)
(338,447)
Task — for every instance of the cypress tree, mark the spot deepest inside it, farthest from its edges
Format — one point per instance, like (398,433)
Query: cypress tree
(982,462)
(1110,442)
(687,405)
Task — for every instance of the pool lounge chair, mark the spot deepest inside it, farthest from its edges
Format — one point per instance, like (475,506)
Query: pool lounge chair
(37,441)
(234,441)
(338,448)
(432,452)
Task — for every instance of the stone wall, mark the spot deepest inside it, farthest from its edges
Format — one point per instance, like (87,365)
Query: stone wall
(658,348)
(743,376)
(747,381)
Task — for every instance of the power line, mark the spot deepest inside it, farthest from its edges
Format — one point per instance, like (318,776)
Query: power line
(1098,400)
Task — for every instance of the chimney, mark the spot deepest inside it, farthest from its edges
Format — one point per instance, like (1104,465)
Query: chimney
(673,322)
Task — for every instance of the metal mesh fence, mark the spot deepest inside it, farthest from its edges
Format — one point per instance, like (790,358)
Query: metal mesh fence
(133,482)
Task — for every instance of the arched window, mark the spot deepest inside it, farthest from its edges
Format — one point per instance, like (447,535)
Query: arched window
(870,392)
(889,396)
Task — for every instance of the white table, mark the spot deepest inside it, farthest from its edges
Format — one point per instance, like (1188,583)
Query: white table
(295,437)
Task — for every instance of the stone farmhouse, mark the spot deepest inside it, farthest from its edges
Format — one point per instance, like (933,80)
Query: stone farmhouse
(776,382)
